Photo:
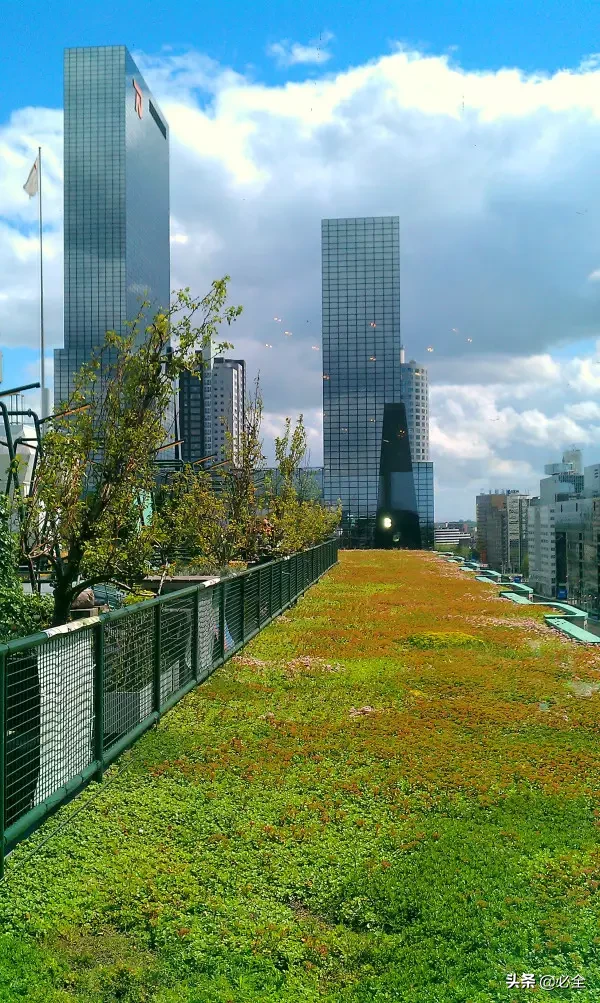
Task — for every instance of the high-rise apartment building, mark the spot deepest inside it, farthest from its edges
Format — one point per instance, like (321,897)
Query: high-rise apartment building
(224,407)
(546,549)
(212,408)
(116,203)
(362,368)
(415,394)
(502,528)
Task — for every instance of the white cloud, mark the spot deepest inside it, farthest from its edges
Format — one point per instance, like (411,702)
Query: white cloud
(486,171)
(288,53)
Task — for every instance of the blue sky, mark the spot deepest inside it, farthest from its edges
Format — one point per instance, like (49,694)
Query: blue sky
(544,35)
(493,174)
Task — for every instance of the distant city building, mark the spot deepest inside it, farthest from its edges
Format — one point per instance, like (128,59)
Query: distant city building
(577,524)
(308,481)
(415,394)
(362,373)
(453,534)
(116,205)
(423,481)
(191,414)
(502,529)
(542,547)
(224,407)
(573,457)
(546,547)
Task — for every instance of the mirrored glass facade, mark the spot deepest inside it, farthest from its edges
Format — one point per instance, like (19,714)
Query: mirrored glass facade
(116,203)
(361,354)
(361,362)
(423,481)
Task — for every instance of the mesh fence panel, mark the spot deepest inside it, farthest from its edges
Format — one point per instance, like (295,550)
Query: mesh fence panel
(128,671)
(233,614)
(207,623)
(49,725)
(286,588)
(264,592)
(251,604)
(276,602)
(22,733)
(216,596)
(50,718)
(175,645)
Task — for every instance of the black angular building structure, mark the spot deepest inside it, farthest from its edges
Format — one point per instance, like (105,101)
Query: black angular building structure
(397,521)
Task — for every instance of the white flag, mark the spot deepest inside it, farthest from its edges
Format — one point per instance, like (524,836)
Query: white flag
(31,185)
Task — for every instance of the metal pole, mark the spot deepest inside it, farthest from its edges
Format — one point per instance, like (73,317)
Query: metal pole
(243,607)
(2,756)
(195,639)
(157,656)
(223,596)
(45,407)
(99,700)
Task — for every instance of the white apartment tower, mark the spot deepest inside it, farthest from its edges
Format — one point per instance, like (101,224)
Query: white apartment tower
(415,394)
(224,396)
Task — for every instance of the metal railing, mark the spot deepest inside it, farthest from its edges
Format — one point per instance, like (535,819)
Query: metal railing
(73,698)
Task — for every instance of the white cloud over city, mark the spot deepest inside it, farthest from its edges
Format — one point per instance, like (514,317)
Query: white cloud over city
(494,177)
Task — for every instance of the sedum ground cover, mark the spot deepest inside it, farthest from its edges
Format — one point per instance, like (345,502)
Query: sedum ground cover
(391,795)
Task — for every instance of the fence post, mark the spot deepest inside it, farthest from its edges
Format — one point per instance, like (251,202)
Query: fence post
(2,753)
(99,698)
(157,657)
(222,621)
(243,607)
(195,618)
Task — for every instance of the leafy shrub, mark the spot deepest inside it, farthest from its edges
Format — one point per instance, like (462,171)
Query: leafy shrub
(442,639)
(138,595)
(20,614)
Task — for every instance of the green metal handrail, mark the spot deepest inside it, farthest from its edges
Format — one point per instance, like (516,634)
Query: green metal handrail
(105,681)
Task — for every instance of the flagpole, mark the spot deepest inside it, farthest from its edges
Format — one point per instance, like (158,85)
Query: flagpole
(45,407)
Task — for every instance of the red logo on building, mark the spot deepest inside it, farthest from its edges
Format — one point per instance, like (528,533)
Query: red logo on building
(138,99)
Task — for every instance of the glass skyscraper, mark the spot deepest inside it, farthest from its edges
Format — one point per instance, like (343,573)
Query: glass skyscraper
(362,357)
(116,203)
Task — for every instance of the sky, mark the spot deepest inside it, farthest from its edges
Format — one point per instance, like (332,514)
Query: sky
(477,124)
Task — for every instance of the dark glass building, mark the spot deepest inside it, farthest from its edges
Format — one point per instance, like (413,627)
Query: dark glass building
(191,415)
(116,203)
(423,481)
(362,358)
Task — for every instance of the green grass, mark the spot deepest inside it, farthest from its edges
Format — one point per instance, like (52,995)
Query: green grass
(270,844)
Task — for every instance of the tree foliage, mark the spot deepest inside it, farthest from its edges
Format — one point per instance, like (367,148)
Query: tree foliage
(83,513)
(20,613)
(297,522)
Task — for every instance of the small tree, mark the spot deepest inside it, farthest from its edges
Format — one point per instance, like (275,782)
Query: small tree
(189,521)
(83,510)
(298,522)
(237,485)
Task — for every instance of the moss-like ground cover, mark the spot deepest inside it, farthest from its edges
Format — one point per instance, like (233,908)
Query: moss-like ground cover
(391,795)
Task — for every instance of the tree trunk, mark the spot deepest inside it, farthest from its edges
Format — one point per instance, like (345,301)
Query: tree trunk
(63,596)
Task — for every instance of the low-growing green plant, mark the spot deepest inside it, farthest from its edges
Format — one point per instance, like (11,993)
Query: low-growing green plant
(21,613)
(441,639)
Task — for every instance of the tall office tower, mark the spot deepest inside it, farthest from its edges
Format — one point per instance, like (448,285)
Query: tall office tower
(226,401)
(361,363)
(415,394)
(116,203)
